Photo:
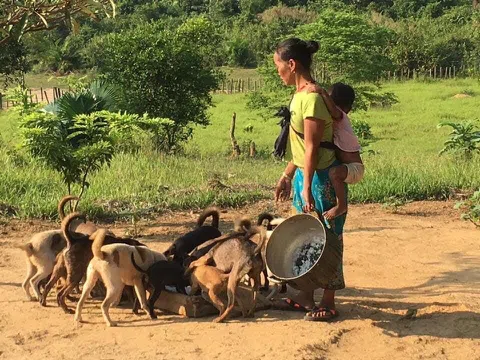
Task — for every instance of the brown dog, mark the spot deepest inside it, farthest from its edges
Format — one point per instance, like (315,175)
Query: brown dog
(212,282)
(237,257)
(75,260)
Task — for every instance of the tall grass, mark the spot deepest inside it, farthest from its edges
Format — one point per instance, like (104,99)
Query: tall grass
(401,162)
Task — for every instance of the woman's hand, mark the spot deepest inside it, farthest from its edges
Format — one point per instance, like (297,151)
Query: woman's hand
(283,189)
(308,201)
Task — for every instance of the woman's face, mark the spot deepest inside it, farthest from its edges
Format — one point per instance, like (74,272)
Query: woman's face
(285,69)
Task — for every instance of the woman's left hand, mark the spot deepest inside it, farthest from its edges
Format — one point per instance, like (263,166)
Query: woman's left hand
(308,201)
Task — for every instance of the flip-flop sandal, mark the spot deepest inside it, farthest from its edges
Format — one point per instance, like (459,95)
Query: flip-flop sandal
(315,315)
(292,306)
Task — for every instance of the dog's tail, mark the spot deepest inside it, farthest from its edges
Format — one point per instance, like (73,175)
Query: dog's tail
(265,216)
(67,222)
(61,205)
(211,211)
(99,238)
(242,225)
(28,248)
(139,269)
(260,230)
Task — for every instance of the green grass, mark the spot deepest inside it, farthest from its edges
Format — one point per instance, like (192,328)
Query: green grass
(403,162)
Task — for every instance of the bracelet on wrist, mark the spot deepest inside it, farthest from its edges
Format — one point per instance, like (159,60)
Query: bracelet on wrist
(285,175)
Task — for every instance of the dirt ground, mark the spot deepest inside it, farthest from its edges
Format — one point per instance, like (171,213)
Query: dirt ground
(422,257)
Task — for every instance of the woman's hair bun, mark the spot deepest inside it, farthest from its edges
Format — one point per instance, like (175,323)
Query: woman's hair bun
(312,46)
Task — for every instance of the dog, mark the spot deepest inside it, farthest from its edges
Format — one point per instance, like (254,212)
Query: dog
(235,256)
(212,282)
(160,274)
(272,222)
(180,249)
(76,257)
(112,263)
(41,252)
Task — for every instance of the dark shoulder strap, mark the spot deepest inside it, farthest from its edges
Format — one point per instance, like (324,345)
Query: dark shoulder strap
(323,144)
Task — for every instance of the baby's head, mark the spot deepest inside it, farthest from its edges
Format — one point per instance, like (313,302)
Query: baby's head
(343,96)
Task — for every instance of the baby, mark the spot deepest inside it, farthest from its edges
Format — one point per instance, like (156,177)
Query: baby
(339,100)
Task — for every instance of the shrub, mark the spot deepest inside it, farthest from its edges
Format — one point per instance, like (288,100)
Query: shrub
(464,138)
(471,208)
(156,70)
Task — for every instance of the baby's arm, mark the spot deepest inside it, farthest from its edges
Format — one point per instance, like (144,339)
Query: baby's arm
(334,111)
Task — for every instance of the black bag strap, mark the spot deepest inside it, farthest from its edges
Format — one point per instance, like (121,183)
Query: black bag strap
(323,144)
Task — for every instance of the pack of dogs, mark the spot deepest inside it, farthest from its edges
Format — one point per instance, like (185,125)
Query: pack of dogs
(204,260)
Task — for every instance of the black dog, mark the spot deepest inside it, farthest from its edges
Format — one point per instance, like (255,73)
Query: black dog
(185,244)
(163,273)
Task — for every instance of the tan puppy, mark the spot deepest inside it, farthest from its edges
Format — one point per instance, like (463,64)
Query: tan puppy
(41,252)
(212,282)
(112,263)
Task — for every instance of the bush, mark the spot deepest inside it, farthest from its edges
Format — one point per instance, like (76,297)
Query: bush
(156,70)
(471,208)
(362,129)
(464,139)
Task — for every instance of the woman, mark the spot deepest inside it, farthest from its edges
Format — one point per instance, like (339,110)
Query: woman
(307,170)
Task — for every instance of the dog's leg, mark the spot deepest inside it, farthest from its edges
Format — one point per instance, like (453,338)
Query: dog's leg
(92,277)
(217,302)
(31,270)
(242,305)
(256,286)
(117,300)
(140,291)
(151,301)
(266,285)
(231,287)
(114,288)
(62,296)
(41,274)
(53,280)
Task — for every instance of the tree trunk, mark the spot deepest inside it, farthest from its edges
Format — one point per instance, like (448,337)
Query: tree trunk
(236,148)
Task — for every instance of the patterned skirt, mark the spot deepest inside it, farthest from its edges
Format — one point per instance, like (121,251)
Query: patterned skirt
(325,199)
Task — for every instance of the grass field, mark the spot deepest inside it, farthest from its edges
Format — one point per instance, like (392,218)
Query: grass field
(403,162)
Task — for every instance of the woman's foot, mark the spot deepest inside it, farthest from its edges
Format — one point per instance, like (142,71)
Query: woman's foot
(302,300)
(334,212)
(321,314)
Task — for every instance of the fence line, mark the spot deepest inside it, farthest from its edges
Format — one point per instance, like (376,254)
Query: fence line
(36,96)
(233,86)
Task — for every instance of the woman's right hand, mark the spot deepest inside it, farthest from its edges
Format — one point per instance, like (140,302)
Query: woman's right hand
(283,189)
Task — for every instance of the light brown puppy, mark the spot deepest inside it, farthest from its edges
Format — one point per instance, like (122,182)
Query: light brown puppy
(112,263)
(212,282)
(41,252)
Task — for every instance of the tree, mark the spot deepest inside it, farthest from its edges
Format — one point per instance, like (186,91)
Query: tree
(352,48)
(161,72)
(23,16)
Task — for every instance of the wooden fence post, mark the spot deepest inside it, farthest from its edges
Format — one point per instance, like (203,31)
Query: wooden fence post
(236,149)
(1,101)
